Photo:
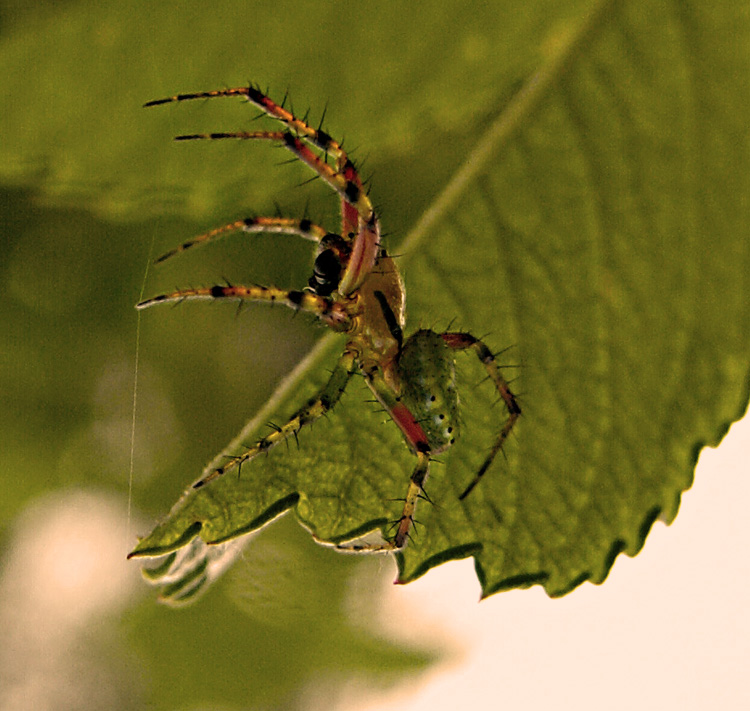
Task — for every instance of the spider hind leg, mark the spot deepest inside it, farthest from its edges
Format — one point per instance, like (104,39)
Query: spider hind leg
(418,442)
(316,408)
(465,341)
(405,522)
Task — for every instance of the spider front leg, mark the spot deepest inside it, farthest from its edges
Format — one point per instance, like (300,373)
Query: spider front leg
(312,411)
(358,216)
(254,225)
(465,341)
(359,221)
(333,314)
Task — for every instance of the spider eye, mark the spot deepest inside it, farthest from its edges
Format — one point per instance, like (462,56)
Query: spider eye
(326,273)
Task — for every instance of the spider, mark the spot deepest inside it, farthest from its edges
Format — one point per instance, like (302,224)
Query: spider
(356,289)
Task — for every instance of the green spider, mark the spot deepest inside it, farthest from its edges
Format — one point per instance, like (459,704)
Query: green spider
(355,289)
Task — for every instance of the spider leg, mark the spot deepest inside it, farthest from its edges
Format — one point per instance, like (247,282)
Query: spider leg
(345,182)
(359,221)
(253,225)
(313,410)
(332,313)
(321,140)
(417,441)
(317,137)
(464,341)
(405,521)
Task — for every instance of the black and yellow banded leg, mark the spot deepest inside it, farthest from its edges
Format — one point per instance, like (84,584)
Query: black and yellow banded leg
(341,180)
(271,225)
(317,137)
(313,410)
(332,313)
(359,222)
(465,341)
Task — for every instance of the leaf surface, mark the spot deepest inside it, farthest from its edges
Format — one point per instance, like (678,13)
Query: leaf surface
(599,229)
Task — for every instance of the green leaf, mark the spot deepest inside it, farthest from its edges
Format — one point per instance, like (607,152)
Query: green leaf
(595,160)
(599,228)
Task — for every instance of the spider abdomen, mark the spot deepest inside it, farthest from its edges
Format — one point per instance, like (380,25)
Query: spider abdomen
(427,372)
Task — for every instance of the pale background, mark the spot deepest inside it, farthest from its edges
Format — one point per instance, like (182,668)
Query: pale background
(669,629)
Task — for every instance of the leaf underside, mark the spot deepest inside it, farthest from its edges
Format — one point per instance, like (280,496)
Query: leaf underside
(599,230)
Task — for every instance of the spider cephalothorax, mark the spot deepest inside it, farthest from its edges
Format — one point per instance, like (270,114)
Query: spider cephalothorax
(355,289)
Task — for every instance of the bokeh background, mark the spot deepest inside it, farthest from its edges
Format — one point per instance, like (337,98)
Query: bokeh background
(290,625)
